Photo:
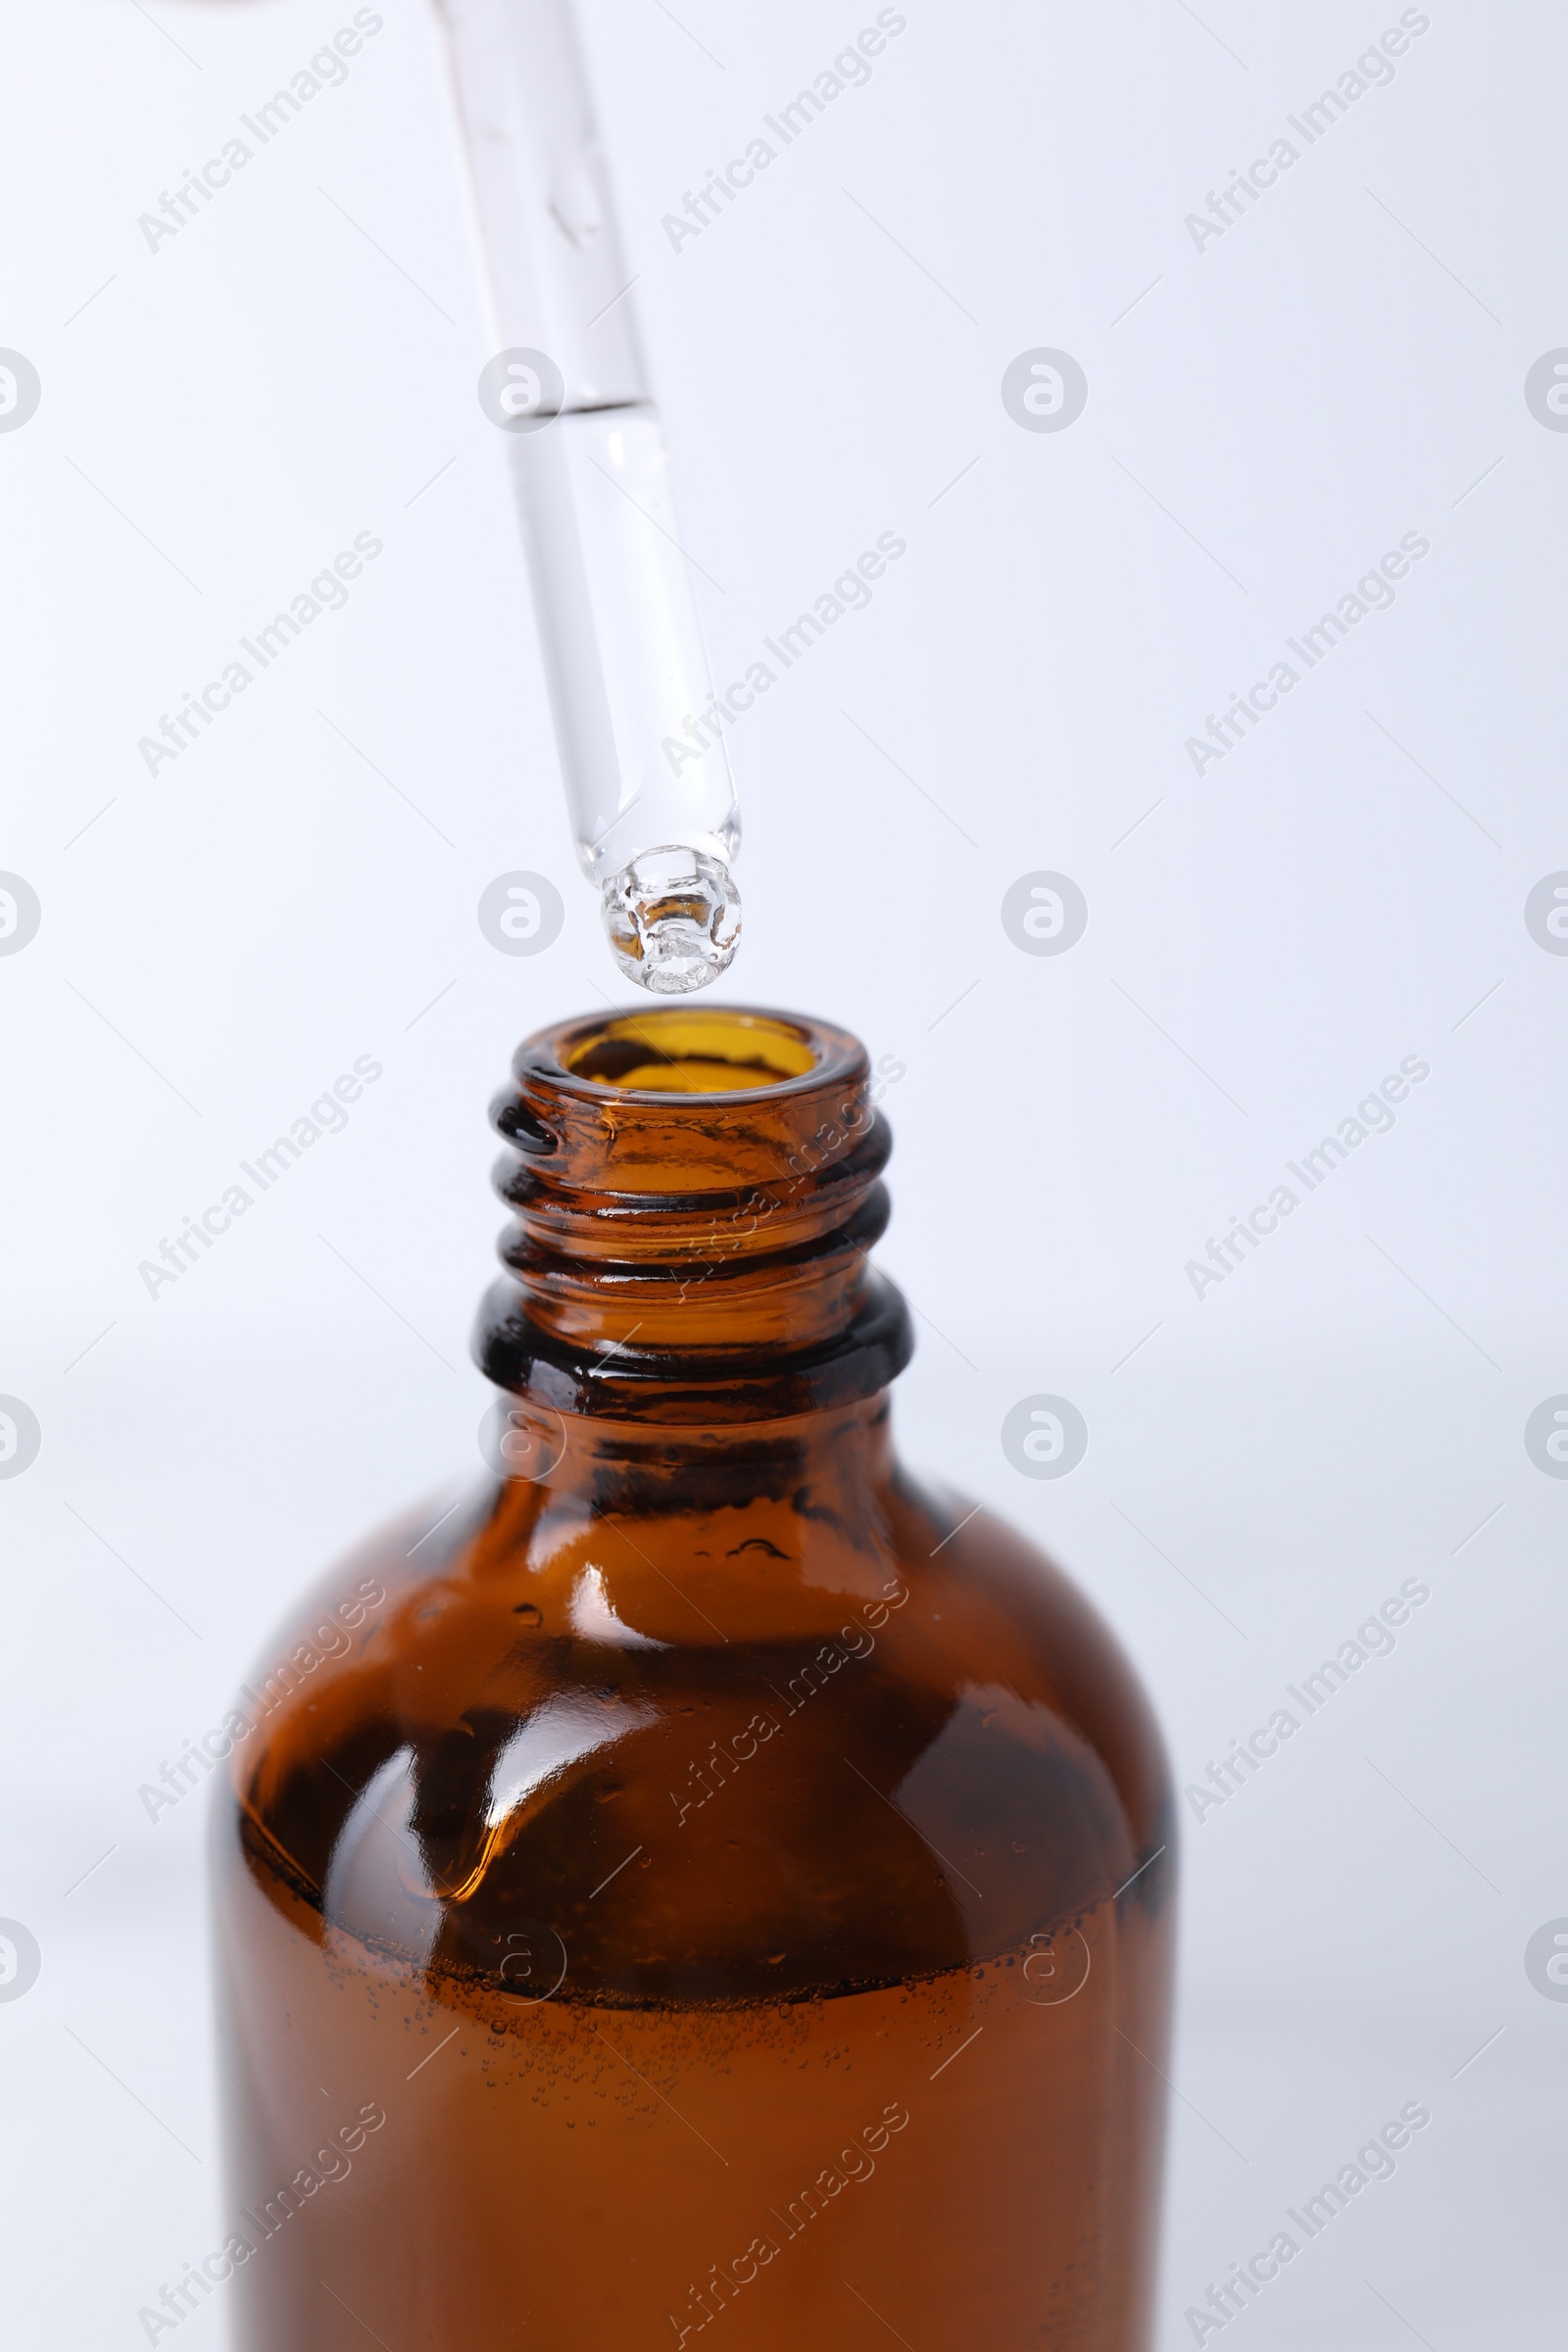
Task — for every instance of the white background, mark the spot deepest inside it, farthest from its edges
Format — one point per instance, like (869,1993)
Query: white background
(1342,367)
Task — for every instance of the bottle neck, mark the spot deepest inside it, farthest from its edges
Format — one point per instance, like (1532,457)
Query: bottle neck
(694,1198)
(838,1461)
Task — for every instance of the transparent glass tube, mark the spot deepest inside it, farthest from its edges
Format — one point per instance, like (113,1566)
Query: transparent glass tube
(646,770)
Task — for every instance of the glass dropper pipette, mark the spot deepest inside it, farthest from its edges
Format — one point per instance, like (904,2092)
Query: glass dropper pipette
(646,770)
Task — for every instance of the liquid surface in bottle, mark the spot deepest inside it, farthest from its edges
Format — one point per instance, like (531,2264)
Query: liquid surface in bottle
(952,2158)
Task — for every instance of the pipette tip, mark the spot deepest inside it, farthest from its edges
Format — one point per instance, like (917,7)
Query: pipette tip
(672,917)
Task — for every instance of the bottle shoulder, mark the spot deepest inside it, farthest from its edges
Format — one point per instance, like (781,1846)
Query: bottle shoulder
(781,1746)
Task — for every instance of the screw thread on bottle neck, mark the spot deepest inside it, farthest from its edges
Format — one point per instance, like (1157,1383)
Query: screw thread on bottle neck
(695,1197)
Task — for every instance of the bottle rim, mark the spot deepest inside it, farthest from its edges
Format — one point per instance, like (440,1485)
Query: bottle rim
(738,1052)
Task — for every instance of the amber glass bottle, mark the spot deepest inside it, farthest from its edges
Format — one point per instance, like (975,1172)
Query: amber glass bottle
(706,1881)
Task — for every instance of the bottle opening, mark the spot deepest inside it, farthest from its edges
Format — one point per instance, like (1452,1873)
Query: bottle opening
(693,1053)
